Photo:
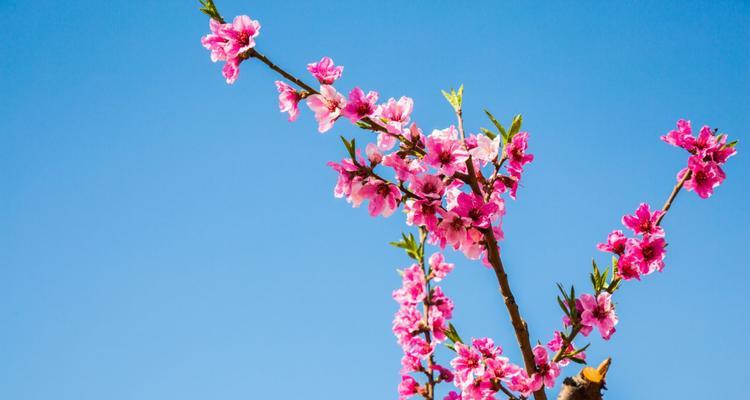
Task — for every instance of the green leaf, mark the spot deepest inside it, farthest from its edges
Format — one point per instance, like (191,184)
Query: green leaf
(455,98)
(732,143)
(564,293)
(581,350)
(563,306)
(515,127)
(577,360)
(488,133)
(452,334)
(498,125)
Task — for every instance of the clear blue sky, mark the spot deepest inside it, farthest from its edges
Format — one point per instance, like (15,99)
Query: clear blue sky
(148,251)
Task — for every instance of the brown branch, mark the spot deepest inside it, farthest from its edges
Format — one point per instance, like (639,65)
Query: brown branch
(673,195)
(493,254)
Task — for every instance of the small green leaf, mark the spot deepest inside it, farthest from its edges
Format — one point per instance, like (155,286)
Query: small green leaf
(452,334)
(732,143)
(563,306)
(577,360)
(515,127)
(488,133)
(498,125)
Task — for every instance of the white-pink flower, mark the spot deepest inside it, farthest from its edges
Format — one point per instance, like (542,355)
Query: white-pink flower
(439,267)
(394,115)
(288,100)
(327,106)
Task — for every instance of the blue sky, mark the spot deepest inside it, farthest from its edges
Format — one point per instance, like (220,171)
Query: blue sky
(149,251)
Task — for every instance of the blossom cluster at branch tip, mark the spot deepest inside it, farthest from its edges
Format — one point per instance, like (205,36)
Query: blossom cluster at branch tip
(230,42)
(708,152)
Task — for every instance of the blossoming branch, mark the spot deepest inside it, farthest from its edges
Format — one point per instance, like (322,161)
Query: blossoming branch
(452,187)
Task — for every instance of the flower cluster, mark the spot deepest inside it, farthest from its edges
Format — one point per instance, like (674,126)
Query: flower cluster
(418,332)
(481,371)
(709,152)
(640,255)
(230,42)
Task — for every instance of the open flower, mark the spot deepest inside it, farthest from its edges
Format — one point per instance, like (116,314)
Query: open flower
(288,100)
(327,106)
(644,221)
(325,71)
(394,115)
(383,196)
(705,177)
(360,105)
(615,243)
(446,155)
(546,371)
(473,208)
(599,312)
(439,267)
(516,152)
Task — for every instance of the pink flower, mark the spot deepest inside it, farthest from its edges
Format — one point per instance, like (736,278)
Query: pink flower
(216,41)
(230,43)
(413,289)
(628,267)
(403,167)
(453,228)
(410,364)
(439,267)
(556,343)
(615,243)
(644,222)
(427,186)
(394,115)
(440,311)
(241,36)
(486,347)
(349,181)
(599,312)
(406,321)
(516,152)
(547,371)
(387,140)
(706,176)
(649,252)
(486,149)
(452,396)
(325,71)
(373,154)
(383,196)
(521,383)
(422,213)
(359,105)
(288,100)
(326,106)
(501,368)
(466,365)
(473,208)
(407,388)
(446,155)
(231,70)
(681,137)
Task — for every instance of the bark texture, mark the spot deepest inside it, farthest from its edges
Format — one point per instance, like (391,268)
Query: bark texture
(587,385)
